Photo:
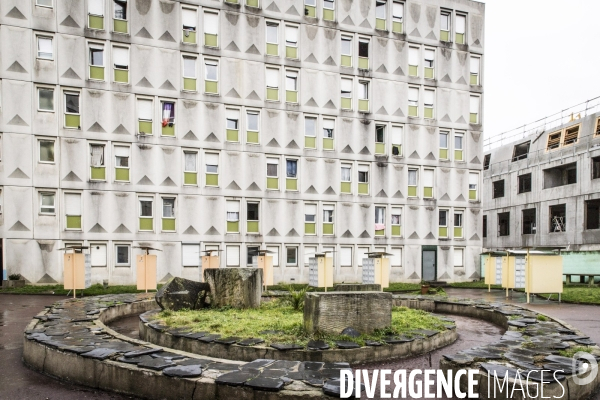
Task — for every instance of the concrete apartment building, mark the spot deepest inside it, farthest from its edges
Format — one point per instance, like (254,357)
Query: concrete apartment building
(299,127)
(543,190)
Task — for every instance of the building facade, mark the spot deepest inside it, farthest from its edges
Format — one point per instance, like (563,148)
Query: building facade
(295,126)
(544,191)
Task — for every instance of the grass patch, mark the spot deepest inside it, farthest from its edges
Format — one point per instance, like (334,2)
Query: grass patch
(394,287)
(403,287)
(579,294)
(541,317)
(94,290)
(287,323)
(570,352)
(473,285)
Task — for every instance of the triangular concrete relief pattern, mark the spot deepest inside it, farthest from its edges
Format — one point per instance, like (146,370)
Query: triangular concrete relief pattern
(446,78)
(167,37)
(399,71)
(47,279)
(311,190)
(252,50)
(212,231)
(398,195)
(70,74)
(311,58)
(329,104)
(431,36)
(252,96)
(168,182)
(475,136)
(96,127)
(292,145)
(446,118)
(273,143)
(365,151)
(121,130)
(347,234)
(18,174)
(461,81)
(233,186)
(414,276)
(311,103)
(19,227)
(144,83)
(292,11)
(364,235)
(475,237)
(460,198)
(398,113)
(330,191)
(233,93)
(273,232)
(415,33)
(15,13)
(69,21)
(475,160)
(382,193)
(273,7)
(17,67)
(166,278)
(415,155)
(347,150)
(253,187)
(477,43)
(17,120)
(71,177)
(122,229)
(167,85)
(444,276)
(445,197)
(348,21)
(143,33)
(382,111)
(430,236)
(414,236)
(475,275)
(365,24)
(97,229)
(212,138)
(190,136)
(330,61)
(430,156)
(145,181)
(292,233)
(190,231)
(382,69)
(232,47)
(461,120)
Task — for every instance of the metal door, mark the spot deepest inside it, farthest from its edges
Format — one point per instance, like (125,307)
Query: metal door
(520,273)
(429,265)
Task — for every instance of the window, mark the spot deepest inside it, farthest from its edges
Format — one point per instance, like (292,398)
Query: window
(232,255)
(98,255)
(592,214)
(96,61)
(474,110)
(473,186)
(252,126)
(363,53)
(363,179)
(121,163)
(485,226)
(443,223)
(529,221)
(211,29)
(346,178)
(291,168)
(429,59)
(44,47)
(43,3)
(379,221)
(458,147)
(458,224)
(121,64)
(560,175)
(72,116)
(309,252)
(475,68)
(190,255)
(363,90)
(45,99)
(310,219)
(396,221)
(461,28)
(145,111)
(428,104)
(96,14)
(168,214)
(233,216)
(486,161)
(597,130)
(212,169)
(362,254)
(445,26)
(189,19)
(310,8)
(524,183)
(328,215)
(328,128)
(232,117)
(291,86)
(251,252)
(397,17)
(520,151)
(346,51)
(273,173)
(310,132)
(272,35)
(328,10)
(413,102)
(252,210)
(73,211)
(291,256)
(558,218)
(498,189)
(211,76)
(46,151)
(146,207)
(120,9)
(504,224)
(595,167)
(168,118)
(444,145)
(122,252)
(380,14)
(428,182)
(272,79)
(413,61)
(379,139)
(47,205)
(346,256)
(97,162)
(553,141)
(571,135)
(413,182)
(291,41)
(189,73)
(459,255)
(190,168)
(346,89)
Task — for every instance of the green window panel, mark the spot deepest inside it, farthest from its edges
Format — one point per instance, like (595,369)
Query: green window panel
(363,63)
(97,73)
(445,36)
(210,40)
(272,94)
(428,112)
(232,1)
(396,230)
(168,224)
(399,147)
(443,232)
(122,174)
(96,22)
(190,178)
(397,27)
(363,105)
(413,111)
(73,221)
(252,227)
(460,38)
(98,173)
(363,188)
(346,187)
(291,184)
(291,52)
(413,70)
(252,137)
(380,232)
(379,148)
(458,155)
(380,24)
(211,87)
(310,11)
(189,37)
(146,224)
(327,229)
(273,183)
(145,127)
(472,194)
(429,73)
(168,130)
(252,3)
(473,118)
(189,84)
(328,144)
(120,26)
(458,232)
(428,192)
(291,96)
(212,179)
(347,103)
(121,76)
(443,154)
(328,15)
(233,135)
(412,191)
(310,228)
(233,226)
(474,79)
(72,121)
(310,142)
(272,49)
(346,61)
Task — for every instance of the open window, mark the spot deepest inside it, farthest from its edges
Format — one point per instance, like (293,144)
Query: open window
(592,214)
(553,141)
(597,129)
(520,151)
(558,218)
(486,161)
(571,135)
(595,167)
(524,183)
(529,224)
(560,175)
(498,189)
(504,224)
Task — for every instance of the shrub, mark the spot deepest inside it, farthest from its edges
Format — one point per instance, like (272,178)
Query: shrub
(295,298)
(14,277)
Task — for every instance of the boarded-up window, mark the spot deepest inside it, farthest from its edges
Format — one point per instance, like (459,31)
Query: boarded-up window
(73,204)
(571,135)
(553,141)
(396,257)
(211,23)
(458,257)
(233,256)
(272,78)
(145,109)
(189,19)
(190,255)
(346,256)
(98,255)
(413,56)
(96,7)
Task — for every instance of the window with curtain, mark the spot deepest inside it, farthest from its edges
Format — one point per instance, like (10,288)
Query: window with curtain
(396,216)
(212,163)
(233,211)
(413,177)
(121,156)
(168,113)
(47,151)
(291,167)
(189,67)
(379,218)
(190,160)
(328,213)
(97,152)
(168,207)
(45,49)
(45,99)
(272,167)
(346,172)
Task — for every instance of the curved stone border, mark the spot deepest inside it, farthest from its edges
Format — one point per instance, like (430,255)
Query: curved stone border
(403,348)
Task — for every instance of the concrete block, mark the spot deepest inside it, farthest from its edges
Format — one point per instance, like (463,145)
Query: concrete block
(181,293)
(333,312)
(357,287)
(235,287)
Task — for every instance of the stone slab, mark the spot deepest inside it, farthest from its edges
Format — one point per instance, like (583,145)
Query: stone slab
(235,287)
(357,287)
(181,293)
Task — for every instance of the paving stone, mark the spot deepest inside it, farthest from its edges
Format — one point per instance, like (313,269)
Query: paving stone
(459,358)
(372,343)
(425,332)
(169,355)
(259,363)
(100,353)
(396,339)
(283,364)
(209,338)
(227,340)
(267,384)
(158,327)
(500,370)
(225,366)
(273,373)
(286,347)
(196,335)
(143,352)
(195,361)
(316,345)
(516,324)
(78,349)
(157,364)
(236,378)
(332,388)
(344,345)
(585,342)
(135,360)
(311,366)
(351,332)
(183,371)
(250,342)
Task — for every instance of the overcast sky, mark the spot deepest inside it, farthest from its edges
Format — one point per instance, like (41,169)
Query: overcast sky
(540,57)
